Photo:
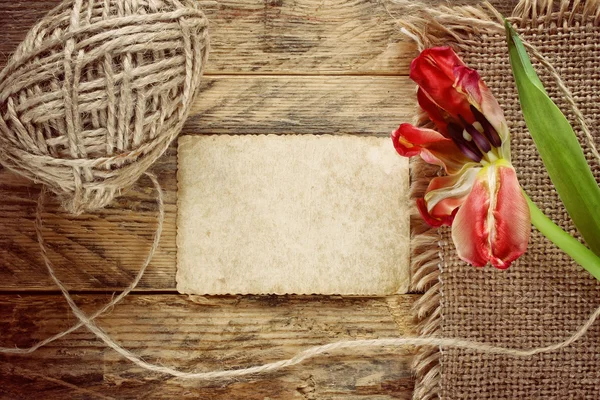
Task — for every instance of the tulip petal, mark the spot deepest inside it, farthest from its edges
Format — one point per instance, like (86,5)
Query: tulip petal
(481,97)
(432,146)
(467,81)
(436,114)
(469,229)
(434,71)
(447,87)
(443,58)
(446,193)
(512,230)
(433,221)
(493,225)
(494,114)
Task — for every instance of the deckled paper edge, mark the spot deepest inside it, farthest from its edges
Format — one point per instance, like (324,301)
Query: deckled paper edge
(403,288)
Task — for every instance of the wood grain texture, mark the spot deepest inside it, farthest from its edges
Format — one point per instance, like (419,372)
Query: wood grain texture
(198,333)
(313,37)
(98,251)
(301,104)
(83,247)
(280,36)
(272,36)
(265,75)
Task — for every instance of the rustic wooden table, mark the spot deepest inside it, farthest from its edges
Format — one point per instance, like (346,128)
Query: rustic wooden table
(276,66)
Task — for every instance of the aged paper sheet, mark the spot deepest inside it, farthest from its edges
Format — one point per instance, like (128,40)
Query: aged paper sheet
(298,214)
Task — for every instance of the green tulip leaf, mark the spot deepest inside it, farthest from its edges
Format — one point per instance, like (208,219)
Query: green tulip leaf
(558,146)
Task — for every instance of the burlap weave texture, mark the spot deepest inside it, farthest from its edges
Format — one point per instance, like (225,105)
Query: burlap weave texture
(544,296)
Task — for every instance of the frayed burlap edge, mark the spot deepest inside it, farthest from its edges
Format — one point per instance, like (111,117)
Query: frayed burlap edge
(459,27)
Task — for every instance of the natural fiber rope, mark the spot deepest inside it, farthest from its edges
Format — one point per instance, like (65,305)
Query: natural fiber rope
(270,367)
(97,91)
(308,353)
(114,301)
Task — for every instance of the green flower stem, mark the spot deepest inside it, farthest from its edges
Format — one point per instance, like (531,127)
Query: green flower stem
(581,254)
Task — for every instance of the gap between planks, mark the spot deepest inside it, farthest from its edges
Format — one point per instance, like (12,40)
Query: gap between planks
(274,36)
(83,247)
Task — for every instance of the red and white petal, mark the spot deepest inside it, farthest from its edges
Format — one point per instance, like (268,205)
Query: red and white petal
(432,146)
(480,96)
(512,221)
(433,221)
(467,81)
(439,117)
(493,225)
(433,70)
(448,89)
(470,231)
(493,113)
(445,194)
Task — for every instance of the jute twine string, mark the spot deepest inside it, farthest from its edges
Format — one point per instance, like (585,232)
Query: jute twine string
(115,300)
(97,91)
(88,321)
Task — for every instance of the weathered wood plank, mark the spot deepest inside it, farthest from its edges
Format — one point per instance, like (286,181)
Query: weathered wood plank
(101,250)
(105,249)
(301,104)
(313,37)
(197,333)
(279,36)
(272,36)
(83,248)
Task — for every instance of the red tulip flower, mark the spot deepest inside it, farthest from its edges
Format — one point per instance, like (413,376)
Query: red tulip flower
(480,196)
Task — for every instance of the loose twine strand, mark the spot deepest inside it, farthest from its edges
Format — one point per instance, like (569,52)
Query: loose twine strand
(114,301)
(300,357)
(88,321)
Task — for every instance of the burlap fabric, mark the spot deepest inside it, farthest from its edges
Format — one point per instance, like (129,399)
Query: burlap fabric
(545,296)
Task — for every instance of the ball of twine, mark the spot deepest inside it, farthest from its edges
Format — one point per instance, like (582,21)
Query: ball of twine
(97,91)
(122,101)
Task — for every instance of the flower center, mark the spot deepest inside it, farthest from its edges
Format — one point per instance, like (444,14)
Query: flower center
(479,141)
